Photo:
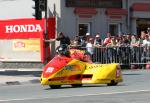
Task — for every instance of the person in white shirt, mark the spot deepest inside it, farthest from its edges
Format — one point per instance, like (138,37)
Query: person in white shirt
(146,41)
(89,46)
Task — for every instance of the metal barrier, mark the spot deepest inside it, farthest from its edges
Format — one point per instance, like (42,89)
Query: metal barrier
(126,55)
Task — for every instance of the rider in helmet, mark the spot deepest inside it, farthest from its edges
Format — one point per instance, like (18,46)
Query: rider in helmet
(63,50)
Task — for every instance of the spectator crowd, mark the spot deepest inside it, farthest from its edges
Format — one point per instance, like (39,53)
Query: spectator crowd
(123,48)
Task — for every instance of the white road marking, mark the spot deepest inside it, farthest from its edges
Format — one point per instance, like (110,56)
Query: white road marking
(24,99)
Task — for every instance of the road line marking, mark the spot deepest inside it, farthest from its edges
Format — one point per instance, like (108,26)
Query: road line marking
(8,100)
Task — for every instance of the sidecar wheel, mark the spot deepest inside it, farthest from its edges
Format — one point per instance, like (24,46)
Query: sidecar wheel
(54,86)
(112,83)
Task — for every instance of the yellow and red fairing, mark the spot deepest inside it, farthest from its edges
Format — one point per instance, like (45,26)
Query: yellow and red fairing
(56,64)
(69,70)
(73,71)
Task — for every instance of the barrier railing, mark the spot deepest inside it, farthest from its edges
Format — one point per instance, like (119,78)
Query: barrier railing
(123,55)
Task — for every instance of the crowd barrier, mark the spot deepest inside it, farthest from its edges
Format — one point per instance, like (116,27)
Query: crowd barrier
(125,55)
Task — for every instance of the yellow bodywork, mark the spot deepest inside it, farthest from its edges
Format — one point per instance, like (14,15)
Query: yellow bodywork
(79,72)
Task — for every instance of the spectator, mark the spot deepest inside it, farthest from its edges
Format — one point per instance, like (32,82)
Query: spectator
(83,41)
(126,40)
(87,37)
(89,46)
(119,40)
(107,40)
(112,50)
(113,42)
(145,53)
(135,44)
(76,42)
(135,41)
(148,31)
(63,39)
(98,41)
(146,41)
(143,34)
(125,51)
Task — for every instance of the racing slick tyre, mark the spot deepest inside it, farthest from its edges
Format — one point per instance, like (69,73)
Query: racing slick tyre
(112,83)
(54,86)
(76,85)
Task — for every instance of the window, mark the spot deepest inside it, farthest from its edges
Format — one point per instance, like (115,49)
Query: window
(113,29)
(84,28)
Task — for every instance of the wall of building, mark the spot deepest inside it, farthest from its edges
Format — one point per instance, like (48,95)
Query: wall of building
(13,9)
(68,21)
(99,22)
(134,15)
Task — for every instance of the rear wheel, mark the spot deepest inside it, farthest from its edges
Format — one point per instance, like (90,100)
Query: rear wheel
(112,83)
(54,86)
(76,85)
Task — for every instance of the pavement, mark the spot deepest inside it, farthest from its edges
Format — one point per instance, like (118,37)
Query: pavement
(19,76)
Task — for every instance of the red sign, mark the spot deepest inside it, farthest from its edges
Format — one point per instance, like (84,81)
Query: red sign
(28,28)
(21,28)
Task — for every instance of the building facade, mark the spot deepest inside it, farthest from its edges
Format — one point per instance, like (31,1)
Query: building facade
(73,17)
(76,17)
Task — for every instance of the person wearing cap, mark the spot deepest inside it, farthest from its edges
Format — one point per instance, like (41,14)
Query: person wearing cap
(97,50)
(89,46)
(97,41)
(87,37)
(87,34)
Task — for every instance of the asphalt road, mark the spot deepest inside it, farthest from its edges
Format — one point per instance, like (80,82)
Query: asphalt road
(134,89)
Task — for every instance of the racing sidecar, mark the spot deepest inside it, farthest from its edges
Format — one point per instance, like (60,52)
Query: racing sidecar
(72,70)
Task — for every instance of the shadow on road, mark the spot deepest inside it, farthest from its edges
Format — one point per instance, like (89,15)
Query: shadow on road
(85,86)
(132,74)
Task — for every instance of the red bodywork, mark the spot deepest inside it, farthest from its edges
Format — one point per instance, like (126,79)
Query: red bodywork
(59,61)
(55,65)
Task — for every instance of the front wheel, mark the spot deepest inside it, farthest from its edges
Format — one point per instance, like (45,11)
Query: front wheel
(54,86)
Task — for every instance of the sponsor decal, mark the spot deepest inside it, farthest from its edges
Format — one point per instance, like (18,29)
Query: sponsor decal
(26,45)
(95,67)
(49,70)
(19,44)
(70,69)
(73,67)
(23,28)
